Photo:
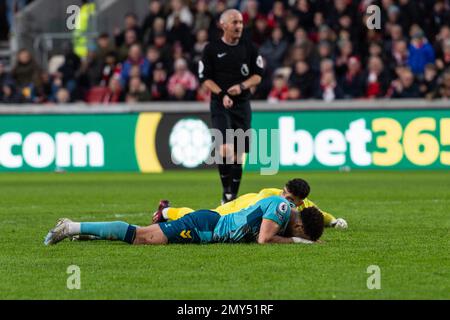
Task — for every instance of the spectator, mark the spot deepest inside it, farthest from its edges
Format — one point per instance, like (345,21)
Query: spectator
(9,94)
(305,14)
(135,58)
(70,69)
(440,16)
(301,39)
(183,83)
(405,86)
(443,62)
(131,23)
(138,90)
(429,82)
(203,18)
(376,79)
(180,33)
(353,82)
(399,54)
(443,91)
(250,13)
(280,89)
(4,77)
(104,48)
(181,10)
(63,96)
(158,87)
(274,49)
(304,79)
(345,52)
(26,71)
(154,57)
(261,30)
(110,69)
(395,34)
(164,48)
(420,53)
(159,27)
(290,27)
(294,93)
(155,9)
(199,46)
(131,39)
(329,89)
(277,14)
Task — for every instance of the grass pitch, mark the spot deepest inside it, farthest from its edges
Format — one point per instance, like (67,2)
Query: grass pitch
(398,221)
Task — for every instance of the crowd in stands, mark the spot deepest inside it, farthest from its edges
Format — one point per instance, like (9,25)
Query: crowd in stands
(312,50)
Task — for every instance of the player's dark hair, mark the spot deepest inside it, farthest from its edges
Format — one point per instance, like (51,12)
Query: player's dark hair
(312,221)
(298,187)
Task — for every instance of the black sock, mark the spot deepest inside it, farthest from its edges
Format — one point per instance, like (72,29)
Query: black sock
(225,176)
(236,175)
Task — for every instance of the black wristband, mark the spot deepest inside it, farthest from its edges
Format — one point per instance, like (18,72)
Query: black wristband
(221,95)
(243,88)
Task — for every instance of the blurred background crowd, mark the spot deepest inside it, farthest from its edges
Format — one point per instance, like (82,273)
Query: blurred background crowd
(312,50)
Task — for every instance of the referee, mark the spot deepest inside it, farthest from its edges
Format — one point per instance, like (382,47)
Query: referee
(229,68)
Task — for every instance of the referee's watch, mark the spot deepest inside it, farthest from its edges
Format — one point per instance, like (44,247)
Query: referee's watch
(243,88)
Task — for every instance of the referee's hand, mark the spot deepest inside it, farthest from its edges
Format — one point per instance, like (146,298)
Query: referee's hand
(235,90)
(227,102)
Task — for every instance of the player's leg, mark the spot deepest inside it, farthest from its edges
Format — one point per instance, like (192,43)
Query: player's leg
(176,213)
(116,230)
(150,235)
(195,227)
(167,213)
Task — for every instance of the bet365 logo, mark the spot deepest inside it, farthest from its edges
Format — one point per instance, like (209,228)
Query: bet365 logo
(378,142)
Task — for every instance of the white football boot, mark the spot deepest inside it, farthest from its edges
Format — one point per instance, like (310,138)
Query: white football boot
(59,232)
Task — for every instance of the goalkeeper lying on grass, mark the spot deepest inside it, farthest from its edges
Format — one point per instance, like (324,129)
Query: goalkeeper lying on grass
(296,191)
(270,220)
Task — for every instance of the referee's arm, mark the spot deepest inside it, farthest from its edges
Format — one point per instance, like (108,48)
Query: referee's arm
(250,83)
(256,71)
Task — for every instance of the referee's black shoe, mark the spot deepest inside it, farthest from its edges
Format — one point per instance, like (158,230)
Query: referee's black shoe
(227,197)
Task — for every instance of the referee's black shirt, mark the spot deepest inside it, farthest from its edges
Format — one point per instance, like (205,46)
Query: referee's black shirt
(228,65)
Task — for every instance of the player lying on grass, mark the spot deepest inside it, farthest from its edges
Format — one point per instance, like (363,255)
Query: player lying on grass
(270,220)
(296,191)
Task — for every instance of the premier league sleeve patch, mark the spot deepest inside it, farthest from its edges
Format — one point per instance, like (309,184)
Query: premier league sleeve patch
(282,209)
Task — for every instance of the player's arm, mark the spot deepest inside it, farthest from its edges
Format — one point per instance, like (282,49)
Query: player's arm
(268,233)
(269,230)
(328,219)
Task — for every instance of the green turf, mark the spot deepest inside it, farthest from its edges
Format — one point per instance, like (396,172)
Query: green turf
(398,221)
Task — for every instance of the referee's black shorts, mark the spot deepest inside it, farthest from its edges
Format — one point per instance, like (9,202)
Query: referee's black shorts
(237,117)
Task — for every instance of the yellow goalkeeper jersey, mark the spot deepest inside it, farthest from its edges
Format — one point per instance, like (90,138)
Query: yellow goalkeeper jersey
(251,198)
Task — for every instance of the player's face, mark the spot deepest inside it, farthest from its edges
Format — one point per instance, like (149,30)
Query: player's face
(292,198)
(234,26)
(298,230)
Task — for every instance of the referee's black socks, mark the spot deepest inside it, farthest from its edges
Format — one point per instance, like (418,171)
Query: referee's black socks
(230,175)
(225,176)
(236,175)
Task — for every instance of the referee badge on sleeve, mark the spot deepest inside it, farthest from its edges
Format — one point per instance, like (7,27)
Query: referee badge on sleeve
(244,70)
(260,62)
